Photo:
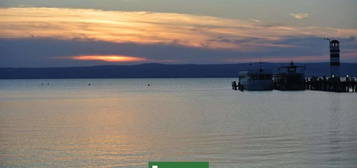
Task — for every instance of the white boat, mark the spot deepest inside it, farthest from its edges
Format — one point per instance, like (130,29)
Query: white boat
(255,80)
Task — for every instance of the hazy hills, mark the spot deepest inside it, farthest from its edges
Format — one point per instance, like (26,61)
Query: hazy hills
(161,71)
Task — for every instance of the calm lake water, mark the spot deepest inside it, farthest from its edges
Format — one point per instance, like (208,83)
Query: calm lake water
(124,123)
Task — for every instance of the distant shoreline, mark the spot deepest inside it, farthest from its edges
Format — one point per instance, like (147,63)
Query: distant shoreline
(161,71)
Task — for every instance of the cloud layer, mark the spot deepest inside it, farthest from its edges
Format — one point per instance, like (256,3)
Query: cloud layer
(147,27)
(162,37)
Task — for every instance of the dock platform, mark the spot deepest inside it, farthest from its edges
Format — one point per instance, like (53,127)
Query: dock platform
(328,84)
(331,84)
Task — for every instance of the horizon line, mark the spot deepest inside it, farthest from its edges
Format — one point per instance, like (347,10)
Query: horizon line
(154,63)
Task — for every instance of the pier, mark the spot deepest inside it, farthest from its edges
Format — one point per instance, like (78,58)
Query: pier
(328,84)
(291,79)
(331,84)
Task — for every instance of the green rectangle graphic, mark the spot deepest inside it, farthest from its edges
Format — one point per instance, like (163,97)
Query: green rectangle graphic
(178,165)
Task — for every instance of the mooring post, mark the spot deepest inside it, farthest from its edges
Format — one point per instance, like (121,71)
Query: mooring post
(234,85)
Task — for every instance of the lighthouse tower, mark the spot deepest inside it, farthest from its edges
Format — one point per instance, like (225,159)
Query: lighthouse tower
(334,57)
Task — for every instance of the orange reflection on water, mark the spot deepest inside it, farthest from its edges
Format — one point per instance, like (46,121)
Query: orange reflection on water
(109,58)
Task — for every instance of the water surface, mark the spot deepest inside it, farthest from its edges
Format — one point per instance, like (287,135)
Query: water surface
(125,123)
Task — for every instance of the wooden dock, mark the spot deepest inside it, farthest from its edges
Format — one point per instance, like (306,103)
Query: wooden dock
(324,83)
(331,84)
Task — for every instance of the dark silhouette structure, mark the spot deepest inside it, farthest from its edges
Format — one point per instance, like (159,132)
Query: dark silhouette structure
(332,84)
(293,80)
(334,57)
(289,78)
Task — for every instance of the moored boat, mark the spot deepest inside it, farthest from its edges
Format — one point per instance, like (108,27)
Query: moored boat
(290,77)
(255,80)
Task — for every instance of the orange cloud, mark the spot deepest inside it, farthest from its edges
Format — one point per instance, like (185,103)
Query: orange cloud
(300,15)
(153,28)
(108,58)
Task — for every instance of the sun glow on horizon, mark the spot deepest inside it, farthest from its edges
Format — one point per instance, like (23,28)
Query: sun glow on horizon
(108,58)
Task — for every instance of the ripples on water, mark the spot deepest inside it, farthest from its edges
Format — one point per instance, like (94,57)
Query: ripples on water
(124,123)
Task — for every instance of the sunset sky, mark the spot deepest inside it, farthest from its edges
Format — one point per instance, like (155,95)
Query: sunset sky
(48,33)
